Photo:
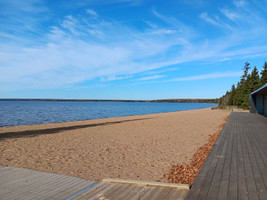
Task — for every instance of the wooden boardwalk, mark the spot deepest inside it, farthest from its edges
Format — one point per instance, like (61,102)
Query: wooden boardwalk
(236,168)
(20,183)
(109,191)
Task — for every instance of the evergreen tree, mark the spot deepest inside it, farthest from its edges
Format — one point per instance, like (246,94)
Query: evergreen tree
(245,69)
(238,98)
(254,80)
(231,98)
(263,79)
(243,99)
(249,82)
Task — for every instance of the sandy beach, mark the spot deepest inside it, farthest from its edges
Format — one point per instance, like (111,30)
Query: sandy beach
(142,147)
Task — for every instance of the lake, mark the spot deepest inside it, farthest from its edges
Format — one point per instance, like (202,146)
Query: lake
(14,113)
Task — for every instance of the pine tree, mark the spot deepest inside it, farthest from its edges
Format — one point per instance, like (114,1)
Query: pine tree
(231,98)
(254,81)
(245,69)
(263,79)
(249,82)
(238,98)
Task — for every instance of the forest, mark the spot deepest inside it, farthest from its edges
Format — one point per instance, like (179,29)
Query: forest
(250,81)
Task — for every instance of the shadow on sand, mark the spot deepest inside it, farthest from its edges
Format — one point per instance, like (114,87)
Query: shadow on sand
(33,133)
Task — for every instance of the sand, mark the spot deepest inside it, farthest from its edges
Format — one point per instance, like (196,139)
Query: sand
(142,147)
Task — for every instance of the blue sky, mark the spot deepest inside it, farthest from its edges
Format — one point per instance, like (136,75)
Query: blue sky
(128,49)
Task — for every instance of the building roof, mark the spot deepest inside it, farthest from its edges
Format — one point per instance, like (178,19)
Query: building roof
(261,90)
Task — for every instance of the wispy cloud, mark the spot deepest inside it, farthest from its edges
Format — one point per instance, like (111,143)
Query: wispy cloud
(160,71)
(176,24)
(22,16)
(109,2)
(209,76)
(213,20)
(70,24)
(240,3)
(75,49)
(91,12)
(150,77)
(229,14)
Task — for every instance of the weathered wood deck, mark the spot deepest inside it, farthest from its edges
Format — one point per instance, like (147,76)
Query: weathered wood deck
(109,191)
(236,168)
(20,183)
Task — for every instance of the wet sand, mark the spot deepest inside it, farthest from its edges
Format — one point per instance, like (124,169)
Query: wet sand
(142,147)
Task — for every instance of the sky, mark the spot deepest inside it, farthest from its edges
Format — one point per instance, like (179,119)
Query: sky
(128,49)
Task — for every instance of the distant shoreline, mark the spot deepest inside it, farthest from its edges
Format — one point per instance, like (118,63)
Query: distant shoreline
(110,100)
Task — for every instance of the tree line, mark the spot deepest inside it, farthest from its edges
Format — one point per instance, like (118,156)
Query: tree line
(187,101)
(249,82)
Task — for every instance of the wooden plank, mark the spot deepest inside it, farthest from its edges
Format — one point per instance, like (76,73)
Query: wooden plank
(108,193)
(70,189)
(257,175)
(223,188)
(176,194)
(251,187)
(163,194)
(118,192)
(173,194)
(182,195)
(259,139)
(92,191)
(46,189)
(5,191)
(145,183)
(146,192)
(151,193)
(30,183)
(215,184)
(242,174)
(27,196)
(259,160)
(101,193)
(136,194)
(214,162)
(232,185)
(11,174)
(65,189)
(124,191)
(97,191)
(200,180)
(242,185)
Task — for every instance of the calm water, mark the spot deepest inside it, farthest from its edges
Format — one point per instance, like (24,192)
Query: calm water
(13,113)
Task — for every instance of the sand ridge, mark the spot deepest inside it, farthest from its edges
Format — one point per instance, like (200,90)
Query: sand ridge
(142,147)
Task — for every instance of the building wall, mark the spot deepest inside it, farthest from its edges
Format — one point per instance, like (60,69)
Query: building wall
(265,104)
(253,100)
(252,106)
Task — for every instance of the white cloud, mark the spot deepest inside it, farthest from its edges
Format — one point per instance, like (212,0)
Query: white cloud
(107,2)
(150,77)
(175,24)
(160,71)
(229,14)
(209,76)
(162,32)
(91,12)
(210,20)
(70,24)
(78,49)
(240,3)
